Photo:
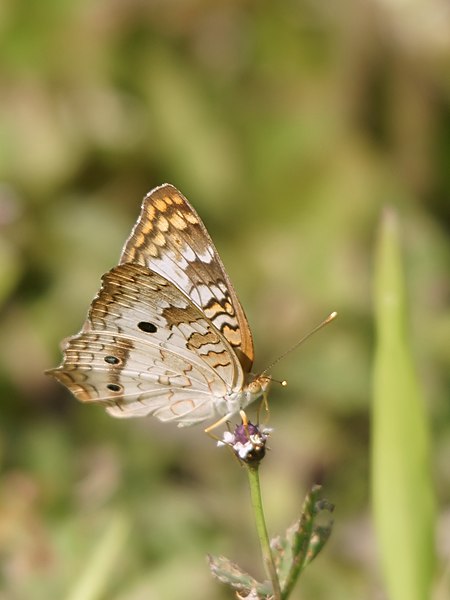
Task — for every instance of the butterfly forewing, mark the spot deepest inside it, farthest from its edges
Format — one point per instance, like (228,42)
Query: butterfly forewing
(170,239)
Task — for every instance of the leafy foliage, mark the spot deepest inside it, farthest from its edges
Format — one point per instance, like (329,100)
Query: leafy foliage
(291,553)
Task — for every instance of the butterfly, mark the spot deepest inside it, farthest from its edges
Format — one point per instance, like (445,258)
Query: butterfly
(166,334)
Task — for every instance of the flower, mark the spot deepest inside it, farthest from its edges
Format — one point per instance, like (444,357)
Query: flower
(247,441)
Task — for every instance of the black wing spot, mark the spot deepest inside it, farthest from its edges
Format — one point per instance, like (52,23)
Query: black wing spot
(114,387)
(147,327)
(112,360)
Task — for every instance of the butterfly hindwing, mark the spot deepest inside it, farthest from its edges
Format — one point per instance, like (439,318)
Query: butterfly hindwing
(146,349)
(132,380)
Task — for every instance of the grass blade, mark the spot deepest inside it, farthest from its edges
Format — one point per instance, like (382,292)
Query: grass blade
(94,581)
(403,499)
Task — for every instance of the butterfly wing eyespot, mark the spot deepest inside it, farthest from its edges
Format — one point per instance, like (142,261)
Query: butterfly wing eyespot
(147,327)
(114,387)
(112,360)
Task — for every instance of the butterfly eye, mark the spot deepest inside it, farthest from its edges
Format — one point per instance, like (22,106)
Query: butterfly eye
(112,360)
(147,327)
(114,387)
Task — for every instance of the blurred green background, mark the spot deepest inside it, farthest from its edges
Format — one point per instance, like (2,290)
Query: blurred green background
(289,126)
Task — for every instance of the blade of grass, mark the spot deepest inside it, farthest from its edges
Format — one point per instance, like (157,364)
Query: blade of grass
(403,499)
(93,582)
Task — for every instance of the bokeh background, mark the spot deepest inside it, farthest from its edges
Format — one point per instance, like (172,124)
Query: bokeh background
(289,125)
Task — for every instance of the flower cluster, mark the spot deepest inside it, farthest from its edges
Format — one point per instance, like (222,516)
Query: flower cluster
(247,441)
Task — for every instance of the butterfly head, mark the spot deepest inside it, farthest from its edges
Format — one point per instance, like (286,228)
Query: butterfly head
(259,385)
(256,387)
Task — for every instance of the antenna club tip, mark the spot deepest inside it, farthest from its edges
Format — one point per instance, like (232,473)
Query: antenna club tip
(284,383)
(332,316)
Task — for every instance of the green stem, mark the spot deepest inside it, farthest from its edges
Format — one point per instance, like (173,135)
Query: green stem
(269,565)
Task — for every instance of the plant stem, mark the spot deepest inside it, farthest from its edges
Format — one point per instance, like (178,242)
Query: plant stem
(269,565)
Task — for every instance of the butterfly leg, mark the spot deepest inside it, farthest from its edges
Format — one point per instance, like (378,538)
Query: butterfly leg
(216,424)
(263,403)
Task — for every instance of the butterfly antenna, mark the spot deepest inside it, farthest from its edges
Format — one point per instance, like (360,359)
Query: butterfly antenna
(330,318)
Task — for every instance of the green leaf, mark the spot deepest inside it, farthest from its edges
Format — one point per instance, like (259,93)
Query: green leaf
(230,573)
(281,547)
(403,499)
(303,541)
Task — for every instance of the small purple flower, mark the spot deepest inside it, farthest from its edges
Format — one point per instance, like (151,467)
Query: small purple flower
(247,441)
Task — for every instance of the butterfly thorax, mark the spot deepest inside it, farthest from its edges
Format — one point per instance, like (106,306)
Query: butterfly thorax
(254,388)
